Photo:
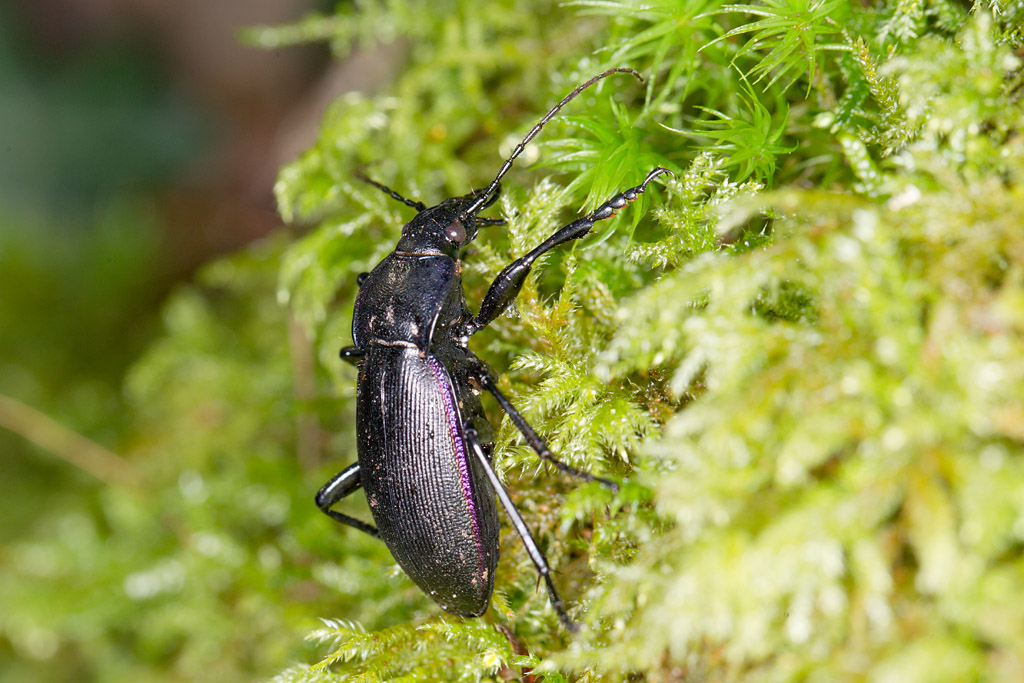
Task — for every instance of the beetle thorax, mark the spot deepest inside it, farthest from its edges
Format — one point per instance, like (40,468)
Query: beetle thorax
(408,299)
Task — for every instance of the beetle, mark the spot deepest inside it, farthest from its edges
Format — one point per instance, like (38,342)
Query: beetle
(424,443)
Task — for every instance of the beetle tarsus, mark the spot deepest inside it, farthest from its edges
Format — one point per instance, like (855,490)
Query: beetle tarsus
(510,280)
(556,602)
(536,556)
(486,381)
(608,209)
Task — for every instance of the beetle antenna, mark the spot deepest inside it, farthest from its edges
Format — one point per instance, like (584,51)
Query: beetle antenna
(482,198)
(419,206)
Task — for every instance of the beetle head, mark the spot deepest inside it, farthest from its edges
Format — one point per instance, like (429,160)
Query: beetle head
(449,226)
(446,227)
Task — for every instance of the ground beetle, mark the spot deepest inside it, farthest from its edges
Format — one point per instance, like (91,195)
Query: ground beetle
(424,442)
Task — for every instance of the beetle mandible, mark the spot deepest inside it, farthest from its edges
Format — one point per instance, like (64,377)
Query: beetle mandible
(424,444)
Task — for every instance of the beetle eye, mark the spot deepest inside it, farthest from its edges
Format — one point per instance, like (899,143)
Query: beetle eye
(455,232)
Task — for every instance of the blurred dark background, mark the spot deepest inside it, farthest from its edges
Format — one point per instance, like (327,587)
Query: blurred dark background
(112,101)
(139,139)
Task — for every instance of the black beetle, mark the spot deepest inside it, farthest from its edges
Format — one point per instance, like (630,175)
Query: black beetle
(424,442)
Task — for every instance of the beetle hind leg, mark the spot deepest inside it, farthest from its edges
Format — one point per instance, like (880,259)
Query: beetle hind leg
(340,486)
(536,556)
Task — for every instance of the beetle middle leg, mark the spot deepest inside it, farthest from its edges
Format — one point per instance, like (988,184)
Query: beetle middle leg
(340,486)
(506,286)
(486,381)
(536,556)
(352,355)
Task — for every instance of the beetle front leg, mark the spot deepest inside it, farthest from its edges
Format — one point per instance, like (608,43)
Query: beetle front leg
(487,382)
(536,556)
(341,485)
(506,286)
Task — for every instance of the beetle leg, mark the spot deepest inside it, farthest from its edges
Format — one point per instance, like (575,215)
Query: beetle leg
(341,485)
(539,561)
(483,376)
(506,286)
(352,355)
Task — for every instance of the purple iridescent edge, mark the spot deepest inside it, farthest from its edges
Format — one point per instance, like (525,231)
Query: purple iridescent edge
(454,431)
